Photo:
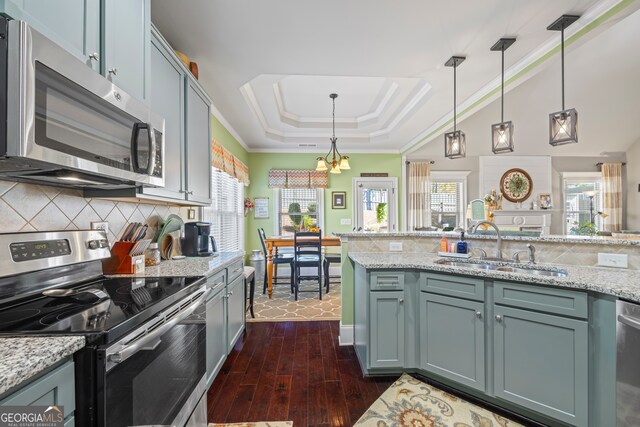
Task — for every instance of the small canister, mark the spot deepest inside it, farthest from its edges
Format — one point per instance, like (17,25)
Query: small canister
(152,255)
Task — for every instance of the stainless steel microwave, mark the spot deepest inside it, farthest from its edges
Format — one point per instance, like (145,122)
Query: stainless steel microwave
(61,123)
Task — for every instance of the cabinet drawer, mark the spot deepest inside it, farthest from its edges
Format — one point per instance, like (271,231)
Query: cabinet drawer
(556,301)
(234,270)
(53,389)
(217,280)
(456,286)
(387,281)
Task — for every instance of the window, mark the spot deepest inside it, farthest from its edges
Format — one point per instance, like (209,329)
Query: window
(298,208)
(226,213)
(447,199)
(579,208)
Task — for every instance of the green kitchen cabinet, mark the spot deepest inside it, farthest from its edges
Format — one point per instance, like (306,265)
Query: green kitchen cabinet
(73,24)
(452,339)
(55,388)
(126,45)
(198,144)
(235,309)
(216,321)
(541,362)
(386,329)
(166,97)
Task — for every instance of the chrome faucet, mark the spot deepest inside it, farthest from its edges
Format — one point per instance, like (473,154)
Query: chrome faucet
(498,239)
(532,254)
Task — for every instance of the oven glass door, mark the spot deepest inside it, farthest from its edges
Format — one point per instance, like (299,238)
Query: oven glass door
(72,120)
(152,386)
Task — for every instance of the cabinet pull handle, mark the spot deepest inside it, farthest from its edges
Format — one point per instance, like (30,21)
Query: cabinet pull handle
(94,57)
(113,71)
(498,318)
(479,314)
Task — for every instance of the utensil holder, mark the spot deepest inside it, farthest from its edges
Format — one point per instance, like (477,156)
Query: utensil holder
(121,262)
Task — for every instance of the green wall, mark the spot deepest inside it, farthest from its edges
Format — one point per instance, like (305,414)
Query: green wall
(222,135)
(261,163)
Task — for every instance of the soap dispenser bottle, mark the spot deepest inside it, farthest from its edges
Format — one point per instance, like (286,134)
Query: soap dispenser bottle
(462,246)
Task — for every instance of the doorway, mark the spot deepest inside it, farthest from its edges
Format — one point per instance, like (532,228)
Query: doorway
(375,204)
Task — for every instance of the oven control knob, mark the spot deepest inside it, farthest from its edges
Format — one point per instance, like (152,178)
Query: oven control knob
(93,244)
(115,358)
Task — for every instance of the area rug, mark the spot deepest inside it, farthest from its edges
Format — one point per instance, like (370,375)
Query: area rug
(283,307)
(260,424)
(412,403)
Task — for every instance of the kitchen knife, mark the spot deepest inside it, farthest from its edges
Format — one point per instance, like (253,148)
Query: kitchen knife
(127,232)
(141,233)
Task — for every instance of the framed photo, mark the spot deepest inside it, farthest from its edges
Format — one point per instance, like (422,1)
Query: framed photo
(338,200)
(261,208)
(544,200)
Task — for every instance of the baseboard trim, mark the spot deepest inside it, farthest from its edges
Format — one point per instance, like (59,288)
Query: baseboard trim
(346,334)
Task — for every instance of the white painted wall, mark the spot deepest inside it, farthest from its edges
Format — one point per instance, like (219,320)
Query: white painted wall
(633,190)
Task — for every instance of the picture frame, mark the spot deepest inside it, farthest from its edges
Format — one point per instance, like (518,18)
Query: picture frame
(261,208)
(545,201)
(338,200)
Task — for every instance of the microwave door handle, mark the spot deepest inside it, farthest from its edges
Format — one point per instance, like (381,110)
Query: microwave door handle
(152,149)
(133,347)
(137,128)
(135,166)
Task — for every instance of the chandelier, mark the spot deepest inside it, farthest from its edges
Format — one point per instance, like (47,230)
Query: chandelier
(333,159)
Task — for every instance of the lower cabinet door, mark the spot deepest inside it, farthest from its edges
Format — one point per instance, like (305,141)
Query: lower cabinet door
(216,334)
(236,316)
(452,339)
(387,327)
(541,363)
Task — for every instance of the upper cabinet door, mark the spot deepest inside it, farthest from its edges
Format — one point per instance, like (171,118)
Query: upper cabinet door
(198,145)
(126,42)
(166,98)
(73,24)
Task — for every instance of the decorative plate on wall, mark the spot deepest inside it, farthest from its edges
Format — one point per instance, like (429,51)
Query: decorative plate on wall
(516,185)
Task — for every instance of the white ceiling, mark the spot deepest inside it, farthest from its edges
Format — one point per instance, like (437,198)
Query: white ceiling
(270,65)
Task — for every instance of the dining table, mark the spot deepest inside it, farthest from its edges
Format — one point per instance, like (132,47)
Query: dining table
(274,242)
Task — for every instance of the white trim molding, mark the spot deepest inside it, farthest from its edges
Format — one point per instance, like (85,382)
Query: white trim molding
(346,335)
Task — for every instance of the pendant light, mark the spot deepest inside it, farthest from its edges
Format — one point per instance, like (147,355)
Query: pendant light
(563,125)
(454,142)
(502,133)
(338,162)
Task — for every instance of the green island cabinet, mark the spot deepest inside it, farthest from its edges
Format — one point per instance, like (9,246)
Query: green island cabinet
(225,316)
(54,388)
(543,352)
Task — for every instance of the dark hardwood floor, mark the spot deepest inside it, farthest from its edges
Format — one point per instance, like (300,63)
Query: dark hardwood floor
(293,371)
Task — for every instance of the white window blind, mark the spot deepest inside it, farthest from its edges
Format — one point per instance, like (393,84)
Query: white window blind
(226,213)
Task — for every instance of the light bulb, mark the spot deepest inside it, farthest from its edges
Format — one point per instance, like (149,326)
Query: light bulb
(344,163)
(321,166)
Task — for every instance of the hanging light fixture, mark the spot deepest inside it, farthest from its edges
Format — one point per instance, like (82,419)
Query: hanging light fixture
(333,159)
(563,125)
(502,133)
(454,142)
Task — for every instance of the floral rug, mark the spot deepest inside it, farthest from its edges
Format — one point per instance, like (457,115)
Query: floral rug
(260,424)
(412,403)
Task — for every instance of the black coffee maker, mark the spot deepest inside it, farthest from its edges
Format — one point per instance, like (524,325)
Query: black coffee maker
(198,240)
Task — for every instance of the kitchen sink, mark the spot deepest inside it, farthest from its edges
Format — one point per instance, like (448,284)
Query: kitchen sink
(505,268)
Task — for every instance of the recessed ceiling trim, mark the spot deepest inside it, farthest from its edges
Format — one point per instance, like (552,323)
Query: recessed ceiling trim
(522,70)
(315,151)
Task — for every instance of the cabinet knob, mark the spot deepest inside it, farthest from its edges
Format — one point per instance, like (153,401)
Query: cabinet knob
(230,293)
(94,57)
(479,314)
(401,301)
(113,71)
(498,318)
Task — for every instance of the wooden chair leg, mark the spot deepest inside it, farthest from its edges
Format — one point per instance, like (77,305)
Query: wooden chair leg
(320,279)
(266,279)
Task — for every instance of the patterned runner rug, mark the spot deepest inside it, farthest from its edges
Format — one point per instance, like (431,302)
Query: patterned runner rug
(412,403)
(283,307)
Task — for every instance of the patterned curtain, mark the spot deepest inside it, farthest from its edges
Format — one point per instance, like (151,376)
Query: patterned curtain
(229,162)
(298,178)
(612,192)
(217,155)
(418,195)
(242,172)
(223,160)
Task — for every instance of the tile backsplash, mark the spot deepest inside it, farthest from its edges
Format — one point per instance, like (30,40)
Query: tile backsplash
(27,207)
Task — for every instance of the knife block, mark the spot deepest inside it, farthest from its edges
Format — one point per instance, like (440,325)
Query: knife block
(121,262)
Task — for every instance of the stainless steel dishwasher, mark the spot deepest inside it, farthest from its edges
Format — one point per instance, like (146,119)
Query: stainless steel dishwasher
(628,367)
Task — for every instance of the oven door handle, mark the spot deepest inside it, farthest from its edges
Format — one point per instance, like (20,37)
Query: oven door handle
(133,347)
(629,321)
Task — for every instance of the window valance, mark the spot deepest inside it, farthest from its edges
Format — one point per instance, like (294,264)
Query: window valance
(222,159)
(298,178)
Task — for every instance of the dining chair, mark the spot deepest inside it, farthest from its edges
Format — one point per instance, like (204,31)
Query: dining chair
(330,257)
(278,258)
(307,252)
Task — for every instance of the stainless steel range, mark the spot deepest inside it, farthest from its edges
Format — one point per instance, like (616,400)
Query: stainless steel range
(145,359)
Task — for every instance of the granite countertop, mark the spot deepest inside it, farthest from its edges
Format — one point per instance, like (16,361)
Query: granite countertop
(621,283)
(588,240)
(190,266)
(23,357)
